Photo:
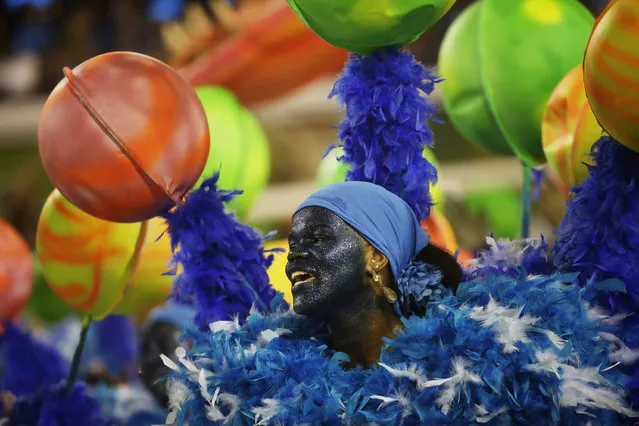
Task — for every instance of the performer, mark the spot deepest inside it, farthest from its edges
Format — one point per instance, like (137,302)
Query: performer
(160,334)
(350,245)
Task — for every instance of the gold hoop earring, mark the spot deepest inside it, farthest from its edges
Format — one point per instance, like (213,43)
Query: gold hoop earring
(389,294)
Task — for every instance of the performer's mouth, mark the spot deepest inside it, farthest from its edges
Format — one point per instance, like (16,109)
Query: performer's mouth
(301,277)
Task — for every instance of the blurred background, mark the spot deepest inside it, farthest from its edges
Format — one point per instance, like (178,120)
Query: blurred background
(257,50)
(263,79)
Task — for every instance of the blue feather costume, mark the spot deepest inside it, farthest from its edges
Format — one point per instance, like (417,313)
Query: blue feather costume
(504,350)
(520,342)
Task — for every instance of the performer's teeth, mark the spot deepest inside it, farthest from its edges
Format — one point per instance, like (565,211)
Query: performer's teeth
(301,277)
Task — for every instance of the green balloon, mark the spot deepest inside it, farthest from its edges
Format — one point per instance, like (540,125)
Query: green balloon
(331,170)
(44,305)
(501,209)
(239,148)
(501,60)
(364,26)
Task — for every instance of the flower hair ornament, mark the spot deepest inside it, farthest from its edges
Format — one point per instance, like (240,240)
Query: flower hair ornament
(419,285)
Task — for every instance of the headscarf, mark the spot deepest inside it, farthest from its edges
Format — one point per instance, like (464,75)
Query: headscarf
(178,315)
(385,220)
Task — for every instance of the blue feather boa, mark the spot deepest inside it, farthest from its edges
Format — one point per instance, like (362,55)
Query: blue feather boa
(599,235)
(385,128)
(504,350)
(532,256)
(24,375)
(35,371)
(224,263)
(36,374)
(51,406)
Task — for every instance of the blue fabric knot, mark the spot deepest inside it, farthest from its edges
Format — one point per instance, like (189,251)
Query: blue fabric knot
(419,285)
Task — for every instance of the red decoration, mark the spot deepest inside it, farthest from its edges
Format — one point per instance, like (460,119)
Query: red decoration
(16,273)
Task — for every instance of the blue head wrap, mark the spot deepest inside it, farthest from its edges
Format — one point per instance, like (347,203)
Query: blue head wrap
(178,315)
(385,220)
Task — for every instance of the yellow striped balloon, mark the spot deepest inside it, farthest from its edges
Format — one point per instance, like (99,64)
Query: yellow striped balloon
(99,267)
(611,71)
(569,129)
(148,287)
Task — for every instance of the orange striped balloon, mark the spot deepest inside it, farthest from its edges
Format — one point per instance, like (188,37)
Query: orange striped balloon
(99,267)
(569,129)
(16,273)
(557,183)
(440,230)
(611,71)
(123,137)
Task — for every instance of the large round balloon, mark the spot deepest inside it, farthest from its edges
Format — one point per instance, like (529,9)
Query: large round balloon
(44,305)
(123,137)
(99,267)
(569,129)
(611,71)
(149,284)
(364,26)
(239,147)
(501,60)
(332,170)
(443,236)
(16,272)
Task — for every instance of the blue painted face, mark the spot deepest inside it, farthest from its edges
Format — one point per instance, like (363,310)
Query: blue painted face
(159,338)
(326,262)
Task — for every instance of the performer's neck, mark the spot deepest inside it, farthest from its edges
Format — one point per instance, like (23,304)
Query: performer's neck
(359,332)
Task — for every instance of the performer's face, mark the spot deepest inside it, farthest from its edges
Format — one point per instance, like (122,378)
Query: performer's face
(326,264)
(158,338)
